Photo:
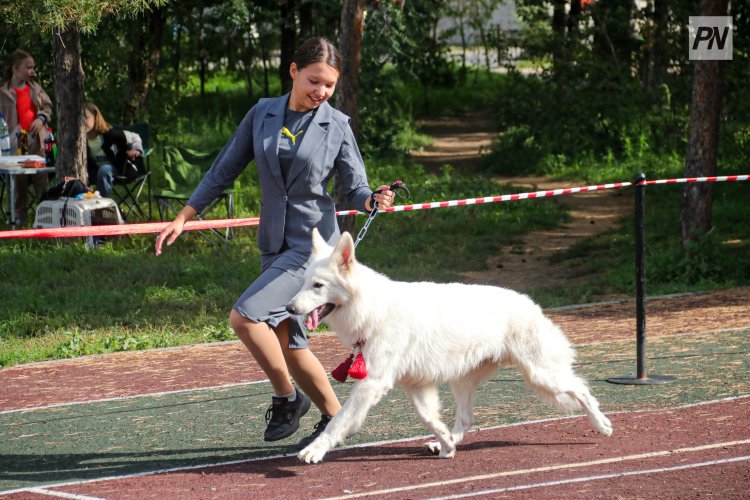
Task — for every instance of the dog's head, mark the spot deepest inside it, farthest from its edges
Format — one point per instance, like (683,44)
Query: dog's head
(327,285)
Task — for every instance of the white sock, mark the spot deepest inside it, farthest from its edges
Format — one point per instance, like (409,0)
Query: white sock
(292,396)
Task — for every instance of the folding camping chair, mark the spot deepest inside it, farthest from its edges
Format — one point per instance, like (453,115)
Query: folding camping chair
(129,190)
(183,170)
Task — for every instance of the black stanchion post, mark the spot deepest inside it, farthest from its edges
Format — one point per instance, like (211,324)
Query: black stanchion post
(642,377)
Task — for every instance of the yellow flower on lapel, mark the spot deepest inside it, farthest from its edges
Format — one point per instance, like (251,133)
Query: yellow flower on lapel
(285,131)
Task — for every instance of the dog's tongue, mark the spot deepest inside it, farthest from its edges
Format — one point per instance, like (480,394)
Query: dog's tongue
(312,320)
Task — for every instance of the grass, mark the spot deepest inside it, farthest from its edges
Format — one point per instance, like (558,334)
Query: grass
(718,261)
(66,301)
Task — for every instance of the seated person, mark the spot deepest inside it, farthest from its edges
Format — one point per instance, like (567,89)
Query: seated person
(109,152)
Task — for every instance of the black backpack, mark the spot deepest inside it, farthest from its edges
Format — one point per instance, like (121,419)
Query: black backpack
(68,188)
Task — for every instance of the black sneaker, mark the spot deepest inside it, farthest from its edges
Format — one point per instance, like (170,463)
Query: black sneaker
(319,427)
(283,416)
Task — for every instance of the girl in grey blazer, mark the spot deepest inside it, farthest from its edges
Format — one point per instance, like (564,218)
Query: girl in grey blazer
(298,142)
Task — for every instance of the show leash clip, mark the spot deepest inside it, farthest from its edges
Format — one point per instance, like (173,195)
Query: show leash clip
(396,187)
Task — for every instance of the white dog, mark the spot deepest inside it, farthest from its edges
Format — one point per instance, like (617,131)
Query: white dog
(419,335)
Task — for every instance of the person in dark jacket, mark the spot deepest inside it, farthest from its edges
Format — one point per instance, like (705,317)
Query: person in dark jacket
(109,154)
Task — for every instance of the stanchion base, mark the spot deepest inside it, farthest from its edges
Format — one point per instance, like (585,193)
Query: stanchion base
(650,380)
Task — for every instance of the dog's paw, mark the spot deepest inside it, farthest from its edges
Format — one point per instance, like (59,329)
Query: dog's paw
(448,452)
(433,446)
(604,426)
(437,449)
(314,452)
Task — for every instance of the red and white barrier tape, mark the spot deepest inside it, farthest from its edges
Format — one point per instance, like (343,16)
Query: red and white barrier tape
(722,178)
(156,227)
(497,199)
(122,229)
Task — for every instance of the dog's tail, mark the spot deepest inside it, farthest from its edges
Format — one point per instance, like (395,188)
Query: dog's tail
(545,357)
(550,386)
(545,360)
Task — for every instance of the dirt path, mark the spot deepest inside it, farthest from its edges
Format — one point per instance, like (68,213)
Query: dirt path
(461,142)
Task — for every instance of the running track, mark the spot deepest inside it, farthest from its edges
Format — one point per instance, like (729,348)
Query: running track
(677,452)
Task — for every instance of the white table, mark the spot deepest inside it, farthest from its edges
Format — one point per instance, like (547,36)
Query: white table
(11,166)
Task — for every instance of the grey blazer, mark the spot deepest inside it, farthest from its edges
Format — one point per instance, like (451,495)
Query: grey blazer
(290,210)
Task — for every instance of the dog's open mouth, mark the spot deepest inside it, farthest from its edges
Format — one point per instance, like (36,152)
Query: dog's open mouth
(316,315)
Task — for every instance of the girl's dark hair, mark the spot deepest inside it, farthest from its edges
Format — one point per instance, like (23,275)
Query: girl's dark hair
(317,49)
(13,60)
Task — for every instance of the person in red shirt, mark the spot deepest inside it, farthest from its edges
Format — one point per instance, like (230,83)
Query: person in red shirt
(26,106)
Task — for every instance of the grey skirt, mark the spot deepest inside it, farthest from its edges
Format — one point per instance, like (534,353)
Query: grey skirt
(266,298)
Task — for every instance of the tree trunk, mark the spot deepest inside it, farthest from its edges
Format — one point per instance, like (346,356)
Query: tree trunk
(71,136)
(613,34)
(266,85)
(288,42)
(558,17)
(703,139)
(559,50)
(654,61)
(574,16)
(462,32)
(659,58)
(352,25)
(202,53)
(485,44)
(306,20)
(347,89)
(176,57)
(143,62)
(249,64)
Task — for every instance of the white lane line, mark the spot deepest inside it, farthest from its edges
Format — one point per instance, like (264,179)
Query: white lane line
(62,494)
(599,477)
(546,468)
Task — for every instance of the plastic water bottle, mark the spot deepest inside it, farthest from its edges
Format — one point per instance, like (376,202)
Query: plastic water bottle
(4,137)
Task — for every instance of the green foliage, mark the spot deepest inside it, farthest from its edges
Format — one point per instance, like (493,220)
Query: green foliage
(717,261)
(575,112)
(546,123)
(441,244)
(82,15)
(77,343)
(399,53)
(464,96)
(67,301)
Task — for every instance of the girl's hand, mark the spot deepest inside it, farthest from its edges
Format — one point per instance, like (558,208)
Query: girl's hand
(133,153)
(170,233)
(384,198)
(174,228)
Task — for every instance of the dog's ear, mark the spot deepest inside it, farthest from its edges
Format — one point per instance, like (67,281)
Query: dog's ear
(343,254)
(320,248)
